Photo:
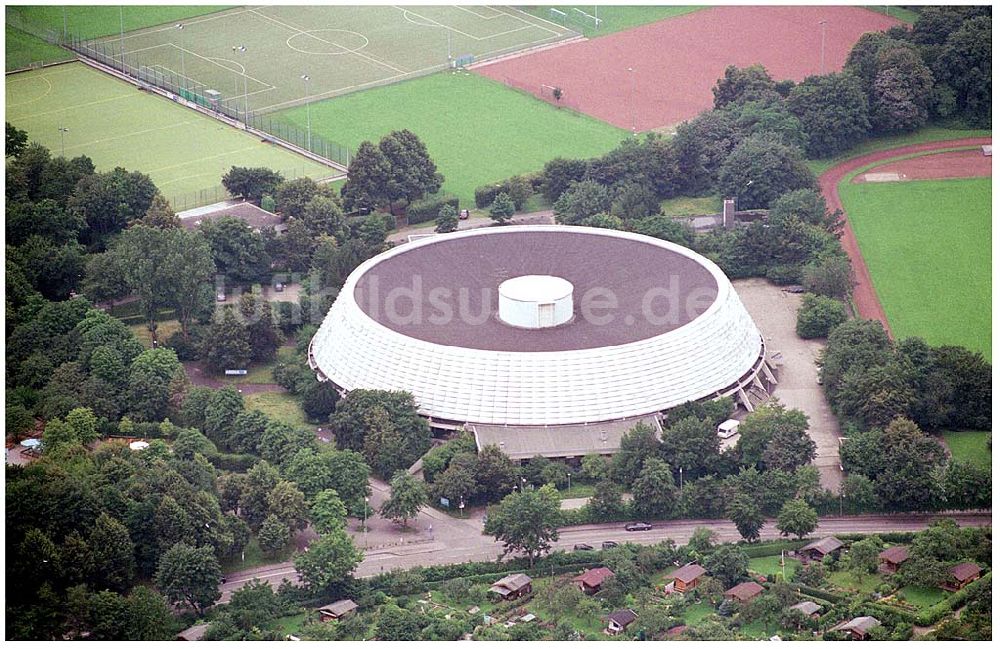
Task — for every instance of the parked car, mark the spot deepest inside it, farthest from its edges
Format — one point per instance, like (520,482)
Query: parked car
(607,545)
(583,546)
(638,527)
(464,214)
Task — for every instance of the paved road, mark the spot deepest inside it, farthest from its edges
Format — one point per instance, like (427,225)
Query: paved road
(865,298)
(465,544)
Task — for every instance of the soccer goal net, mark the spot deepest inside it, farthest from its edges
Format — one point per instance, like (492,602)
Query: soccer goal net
(581,17)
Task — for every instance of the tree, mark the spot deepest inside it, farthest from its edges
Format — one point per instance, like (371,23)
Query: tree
(741,85)
(495,473)
(797,517)
(502,209)
(760,169)
(288,504)
(558,174)
(54,271)
(407,497)
(593,467)
(833,109)
(160,215)
(328,513)
(447,220)
(580,201)
(108,201)
(967,486)
(190,576)
(746,515)
(759,429)
(273,535)
(149,378)
(114,560)
(729,564)
(654,492)
(900,91)
(262,331)
(666,228)
(147,616)
(862,558)
(397,624)
(353,426)
(830,276)
(238,251)
(292,196)
(319,400)
(367,176)
(251,183)
(221,413)
(606,503)
(692,446)
(966,66)
(324,216)
(328,561)
(46,218)
(637,444)
(526,521)
(818,316)
(16,140)
(226,345)
(412,173)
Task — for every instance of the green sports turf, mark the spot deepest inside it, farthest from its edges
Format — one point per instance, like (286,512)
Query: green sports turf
(95,21)
(22,49)
(614,18)
(899,13)
(340,48)
(117,125)
(970,446)
(927,246)
(477,130)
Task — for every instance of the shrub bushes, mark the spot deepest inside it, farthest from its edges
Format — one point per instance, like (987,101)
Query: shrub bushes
(427,209)
(818,316)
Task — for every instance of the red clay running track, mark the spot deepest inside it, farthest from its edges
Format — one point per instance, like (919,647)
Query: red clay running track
(865,298)
(677,61)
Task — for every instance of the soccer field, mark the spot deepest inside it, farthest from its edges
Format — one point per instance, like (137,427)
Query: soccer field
(270,58)
(184,152)
(93,21)
(927,246)
(476,130)
(610,18)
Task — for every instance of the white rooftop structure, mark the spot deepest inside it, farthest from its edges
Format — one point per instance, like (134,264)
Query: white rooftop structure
(677,331)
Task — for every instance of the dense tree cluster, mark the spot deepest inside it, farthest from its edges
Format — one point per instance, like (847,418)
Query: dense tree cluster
(398,169)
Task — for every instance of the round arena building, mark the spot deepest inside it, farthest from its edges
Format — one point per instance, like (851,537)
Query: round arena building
(542,331)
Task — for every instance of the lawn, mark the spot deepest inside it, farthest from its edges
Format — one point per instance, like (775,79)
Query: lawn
(94,21)
(772,565)
(477,131)
(698,612)
(22,49)
(614,18)
(899,13)
(921,596)
(970,446)
(253,557)
(849,581)
(927,246)
(280,406)
(928,134)
(691,205)
(164,329)
(115,124)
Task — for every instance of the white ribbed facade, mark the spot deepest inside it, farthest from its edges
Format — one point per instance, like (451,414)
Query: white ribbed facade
(718,352)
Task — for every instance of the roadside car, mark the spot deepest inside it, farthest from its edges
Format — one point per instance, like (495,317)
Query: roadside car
(607,545)
(638,527)
(583,546)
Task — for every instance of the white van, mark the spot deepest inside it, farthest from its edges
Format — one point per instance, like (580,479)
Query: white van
(728,428)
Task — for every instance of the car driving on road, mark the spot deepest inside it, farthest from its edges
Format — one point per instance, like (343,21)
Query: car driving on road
(638,527)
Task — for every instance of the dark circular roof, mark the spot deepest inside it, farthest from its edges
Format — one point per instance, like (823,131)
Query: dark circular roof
(657,289)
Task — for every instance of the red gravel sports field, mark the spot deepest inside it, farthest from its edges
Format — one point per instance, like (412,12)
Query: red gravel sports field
(676,62)
(970,163)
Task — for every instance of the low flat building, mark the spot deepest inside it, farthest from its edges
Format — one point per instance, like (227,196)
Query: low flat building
(743,593)
(807,608)
(591,580)
(337,610)
(619,620)
(960,576)
(857,629)
(890,560)
(818,550)
(521,443)
(512,586)
(686,578)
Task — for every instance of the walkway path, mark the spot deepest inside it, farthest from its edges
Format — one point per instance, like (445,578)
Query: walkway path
(544,217)
(865,298)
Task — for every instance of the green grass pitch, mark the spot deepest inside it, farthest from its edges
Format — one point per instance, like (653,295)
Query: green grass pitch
(96,21)
(341,49)
(927,246)
(614,18)
(117,125)
(22,49)
(970,446)
(476,130)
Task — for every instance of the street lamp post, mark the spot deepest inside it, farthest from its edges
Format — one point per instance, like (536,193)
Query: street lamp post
(365,523)
(121,34)
(822,48)
(309,130)
(682,477)
(180,26)
(62,139)
(569,481)
(631,97)
(246,108)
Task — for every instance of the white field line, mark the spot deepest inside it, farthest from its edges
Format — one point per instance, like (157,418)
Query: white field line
(196,161)
(496,13)
(562,30)
(435,23)
(214,62)
(146,49)
(75,106)
(48,91)
(322,40)
(379,82)
(192,21)
(132,134)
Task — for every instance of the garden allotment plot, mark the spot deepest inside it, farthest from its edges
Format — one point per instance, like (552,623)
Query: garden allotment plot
(262,53)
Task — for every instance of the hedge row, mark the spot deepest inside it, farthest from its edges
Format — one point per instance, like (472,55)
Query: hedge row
(934,613)
(238,462)
(427,209)
(818,593)
(757,550)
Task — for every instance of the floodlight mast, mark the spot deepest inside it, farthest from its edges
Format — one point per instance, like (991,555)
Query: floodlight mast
(246,108)
(309,130)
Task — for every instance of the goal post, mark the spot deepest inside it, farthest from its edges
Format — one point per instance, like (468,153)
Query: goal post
(557,15)
(583,18)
